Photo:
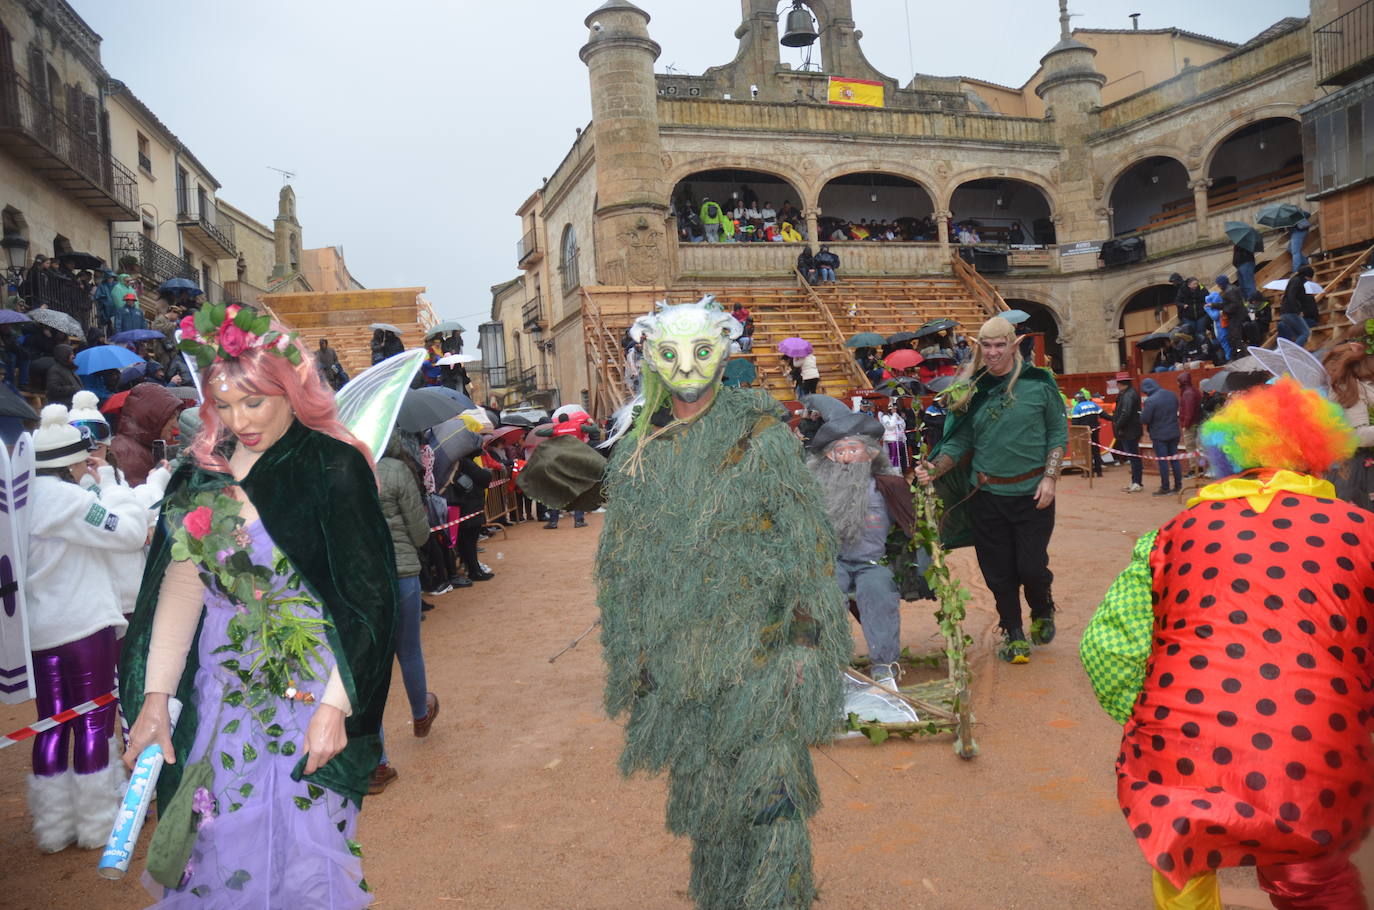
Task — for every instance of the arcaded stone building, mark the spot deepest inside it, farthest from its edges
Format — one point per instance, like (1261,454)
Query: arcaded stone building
(1162,135)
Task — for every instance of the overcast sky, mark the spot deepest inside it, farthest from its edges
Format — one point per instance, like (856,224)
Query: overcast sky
(417,127)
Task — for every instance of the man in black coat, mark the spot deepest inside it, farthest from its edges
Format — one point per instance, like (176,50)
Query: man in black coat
(1126,428)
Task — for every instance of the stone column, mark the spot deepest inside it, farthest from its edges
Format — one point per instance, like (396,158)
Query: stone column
(813,226)
(942,227)
(1200,186)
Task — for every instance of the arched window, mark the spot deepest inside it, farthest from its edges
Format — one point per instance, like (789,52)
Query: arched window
(569,262)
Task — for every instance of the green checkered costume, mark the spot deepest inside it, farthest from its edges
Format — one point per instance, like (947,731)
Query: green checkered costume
(1116,643)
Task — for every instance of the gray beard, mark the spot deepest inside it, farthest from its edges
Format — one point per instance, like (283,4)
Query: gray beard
(844,489)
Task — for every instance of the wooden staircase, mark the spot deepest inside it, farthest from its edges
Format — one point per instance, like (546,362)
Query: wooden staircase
(824,315)
(1337,274)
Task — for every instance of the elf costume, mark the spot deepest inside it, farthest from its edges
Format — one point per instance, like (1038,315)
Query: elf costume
(1236,650)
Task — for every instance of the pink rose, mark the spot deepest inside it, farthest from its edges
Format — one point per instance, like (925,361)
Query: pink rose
(197,522)
(231,311)
(234,340)
(188,327)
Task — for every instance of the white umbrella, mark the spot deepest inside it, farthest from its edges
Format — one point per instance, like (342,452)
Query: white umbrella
(451,359)
(55,319)
(1280,284)
(385,327)
(1361,306)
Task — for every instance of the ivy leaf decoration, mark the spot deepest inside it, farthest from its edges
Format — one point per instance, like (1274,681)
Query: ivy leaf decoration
(227,761)
(236,881)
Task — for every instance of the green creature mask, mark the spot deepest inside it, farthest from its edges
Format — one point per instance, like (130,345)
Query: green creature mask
(686,346)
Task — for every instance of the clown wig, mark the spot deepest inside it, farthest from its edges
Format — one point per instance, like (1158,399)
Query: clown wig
(262,373)
(1281,426)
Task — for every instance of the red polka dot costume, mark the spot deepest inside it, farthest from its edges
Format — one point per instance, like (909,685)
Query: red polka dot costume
(1250,741)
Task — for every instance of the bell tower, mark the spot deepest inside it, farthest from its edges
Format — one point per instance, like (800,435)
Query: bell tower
(630,232)
(1072,91)
(286,233)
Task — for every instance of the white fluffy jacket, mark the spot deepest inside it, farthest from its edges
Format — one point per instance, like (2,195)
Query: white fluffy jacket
(126,568)
(69,587)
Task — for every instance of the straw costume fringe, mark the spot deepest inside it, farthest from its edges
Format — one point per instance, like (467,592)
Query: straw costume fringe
(725,637)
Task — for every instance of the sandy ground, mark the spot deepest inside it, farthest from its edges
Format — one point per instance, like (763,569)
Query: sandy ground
(514,801)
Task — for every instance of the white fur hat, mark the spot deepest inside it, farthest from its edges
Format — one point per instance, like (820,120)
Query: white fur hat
(56,443)
(86,409)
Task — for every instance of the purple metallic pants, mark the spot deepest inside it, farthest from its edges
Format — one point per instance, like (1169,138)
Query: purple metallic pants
(64,677)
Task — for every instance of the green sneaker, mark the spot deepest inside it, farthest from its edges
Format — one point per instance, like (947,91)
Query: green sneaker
(1014,648)
(1042,631)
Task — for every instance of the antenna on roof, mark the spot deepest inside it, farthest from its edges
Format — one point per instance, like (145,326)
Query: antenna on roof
(1135,20)
(285,175)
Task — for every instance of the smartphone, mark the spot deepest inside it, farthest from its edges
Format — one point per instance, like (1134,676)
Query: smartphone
(159,450)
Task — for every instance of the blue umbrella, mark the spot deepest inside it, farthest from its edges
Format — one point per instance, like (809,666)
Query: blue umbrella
(137,371)
(105,357)
(12,316)
(134,335)
(453,394)
(179,284)
(1015,316)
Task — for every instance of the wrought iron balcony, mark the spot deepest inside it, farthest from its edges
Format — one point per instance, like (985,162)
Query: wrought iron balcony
(207,227)
(525,381)
(1344,47)
(66,153)
(242,292)
(532,314)
(527,250)
(155,263)
(58,293)
(145,162)
(496,377)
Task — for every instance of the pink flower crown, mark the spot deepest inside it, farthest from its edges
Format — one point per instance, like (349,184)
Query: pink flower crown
(225,332)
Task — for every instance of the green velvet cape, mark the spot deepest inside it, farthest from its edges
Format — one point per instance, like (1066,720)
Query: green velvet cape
(317,500)
(955,486)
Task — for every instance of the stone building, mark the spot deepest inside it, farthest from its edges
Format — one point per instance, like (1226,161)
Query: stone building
(1155,135)
(61,185)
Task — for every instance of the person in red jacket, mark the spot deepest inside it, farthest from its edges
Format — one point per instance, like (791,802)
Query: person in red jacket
(1189,414)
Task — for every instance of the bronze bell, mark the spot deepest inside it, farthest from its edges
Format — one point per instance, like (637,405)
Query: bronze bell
(801,30)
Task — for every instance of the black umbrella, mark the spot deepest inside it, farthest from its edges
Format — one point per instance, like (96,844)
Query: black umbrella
(423,408)
(11,405)
(81,260)
(452,441)
(524,417)
(1153,342)
(899,337)
(936,326)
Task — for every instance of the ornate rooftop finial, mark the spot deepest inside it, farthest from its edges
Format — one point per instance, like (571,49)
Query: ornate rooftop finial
(1063,20)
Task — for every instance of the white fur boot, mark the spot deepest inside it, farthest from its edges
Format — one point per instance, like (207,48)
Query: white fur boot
(51,803)
(97,803)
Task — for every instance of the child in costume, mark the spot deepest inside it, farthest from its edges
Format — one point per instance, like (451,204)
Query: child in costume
(75,618)
(724,634)
(1236,650)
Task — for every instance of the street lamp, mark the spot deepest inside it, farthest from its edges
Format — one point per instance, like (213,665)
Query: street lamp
(16,247)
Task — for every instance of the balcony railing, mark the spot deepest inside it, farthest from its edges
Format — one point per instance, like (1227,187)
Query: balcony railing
(48,288)
(1344,48)
(242,292)
(155,263)
(145,162)
(532,313)
(527,249)
(496,377)
(205,225)
(67,154)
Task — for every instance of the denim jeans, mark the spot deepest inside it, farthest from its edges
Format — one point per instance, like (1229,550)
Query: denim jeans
(1245,277)
(408,651)
(827,274)
(1163,449)
(1295,243)
(1294,328)
(1132,446)
(554,513)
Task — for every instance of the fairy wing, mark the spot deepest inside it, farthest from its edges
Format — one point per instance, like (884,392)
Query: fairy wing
(16,476)
(1304,366)
(370,402)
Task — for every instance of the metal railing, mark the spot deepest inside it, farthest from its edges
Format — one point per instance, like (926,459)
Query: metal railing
(242,292)
(145,162)
(206,217)
(527,246)
(25,110)
(496,377)
(1344,47)
(57,293)
(155,263)
(532,313)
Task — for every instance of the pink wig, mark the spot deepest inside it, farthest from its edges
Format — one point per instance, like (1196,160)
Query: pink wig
(264,373)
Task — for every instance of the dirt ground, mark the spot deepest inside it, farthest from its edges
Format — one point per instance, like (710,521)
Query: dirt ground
(514,802)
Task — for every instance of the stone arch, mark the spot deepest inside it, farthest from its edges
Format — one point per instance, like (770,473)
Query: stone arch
(1043,319)
(991,203)
(1141,283)
(568,259)
(1056,307)
(1165,180)
(1278,110)
(917,176)
(1138,155)
(772,167)
(954,181)
(855,195)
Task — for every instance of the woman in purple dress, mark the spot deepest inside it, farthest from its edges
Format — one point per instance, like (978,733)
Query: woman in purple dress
(281,665)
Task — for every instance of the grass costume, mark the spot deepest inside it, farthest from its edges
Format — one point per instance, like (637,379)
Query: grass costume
(723,631)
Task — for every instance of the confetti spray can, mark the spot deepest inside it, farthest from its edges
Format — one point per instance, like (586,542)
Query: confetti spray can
(119,849)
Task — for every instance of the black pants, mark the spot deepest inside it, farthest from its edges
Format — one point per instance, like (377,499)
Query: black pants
(1012,537)
(467,545)
(1137,467)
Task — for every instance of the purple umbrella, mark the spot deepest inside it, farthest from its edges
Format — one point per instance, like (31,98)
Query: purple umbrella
(134,335)
(795,347)
(12,316)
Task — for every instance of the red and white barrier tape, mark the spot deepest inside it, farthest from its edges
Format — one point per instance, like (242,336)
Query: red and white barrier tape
(61,717)
(457,521)
(1181,456)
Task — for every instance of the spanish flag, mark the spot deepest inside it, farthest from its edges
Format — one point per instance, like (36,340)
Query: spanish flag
(855,92)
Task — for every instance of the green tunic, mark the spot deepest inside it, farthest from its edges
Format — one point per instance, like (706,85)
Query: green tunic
(999,435)
(725,638)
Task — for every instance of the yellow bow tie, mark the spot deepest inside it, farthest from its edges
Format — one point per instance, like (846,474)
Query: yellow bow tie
(1260,491)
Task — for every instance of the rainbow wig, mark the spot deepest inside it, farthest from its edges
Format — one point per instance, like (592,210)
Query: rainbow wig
(1280,426)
